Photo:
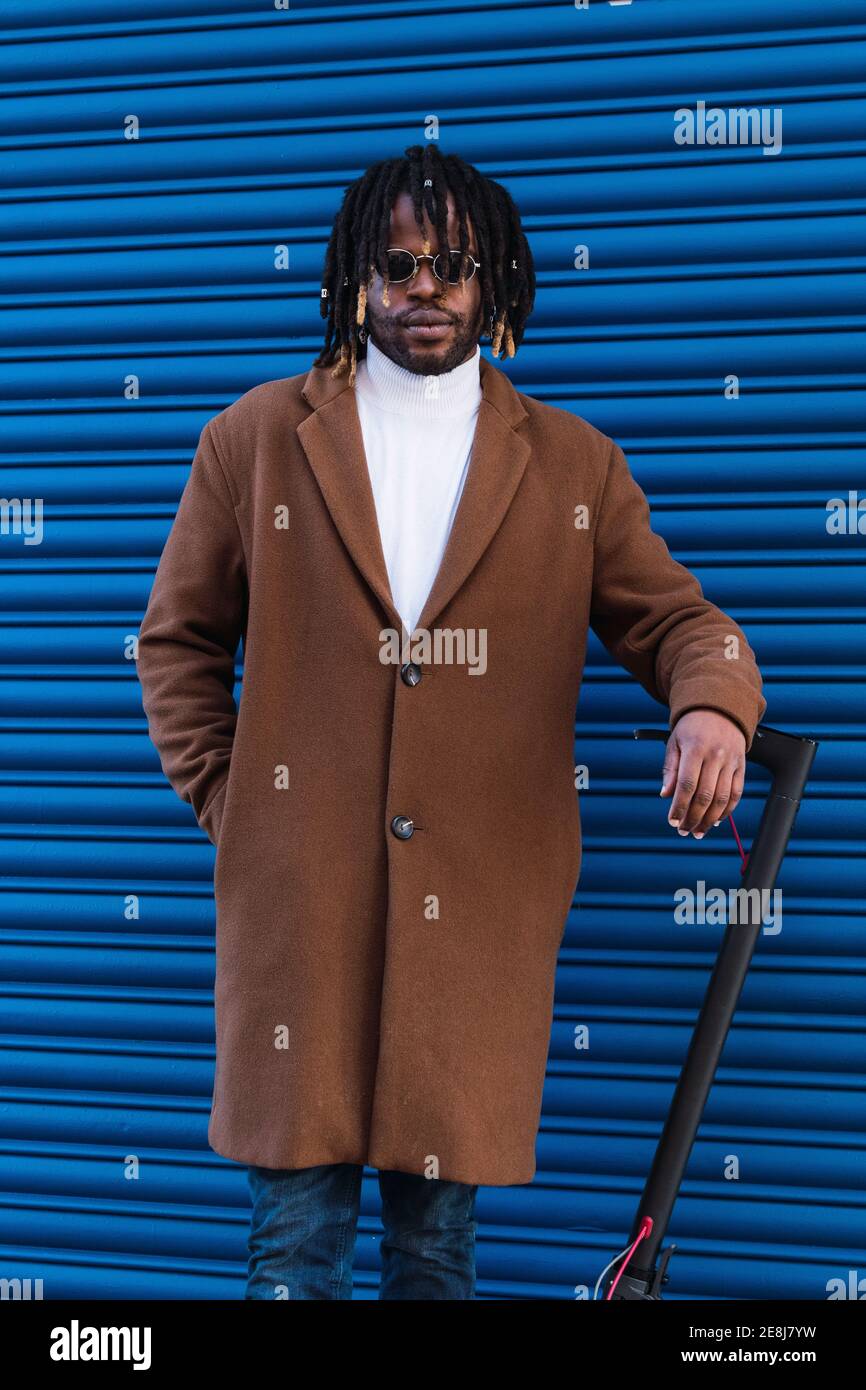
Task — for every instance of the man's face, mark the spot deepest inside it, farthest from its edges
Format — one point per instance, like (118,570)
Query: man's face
(452,315)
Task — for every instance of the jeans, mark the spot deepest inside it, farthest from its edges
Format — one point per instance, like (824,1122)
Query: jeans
(304,1222)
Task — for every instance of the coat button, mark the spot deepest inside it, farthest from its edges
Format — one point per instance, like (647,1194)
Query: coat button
(410,673)
(402,827)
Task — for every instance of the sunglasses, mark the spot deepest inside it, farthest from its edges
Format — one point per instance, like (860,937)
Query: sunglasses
(402,265)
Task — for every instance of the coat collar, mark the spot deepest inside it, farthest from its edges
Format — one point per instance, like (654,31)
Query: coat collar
(333,442)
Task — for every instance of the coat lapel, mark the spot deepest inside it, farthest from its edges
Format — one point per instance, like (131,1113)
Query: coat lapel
(333,441)
(334,444)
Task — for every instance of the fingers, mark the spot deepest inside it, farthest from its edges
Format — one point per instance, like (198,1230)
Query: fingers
(738,780)
(709,788)
(688,778)
(719,799)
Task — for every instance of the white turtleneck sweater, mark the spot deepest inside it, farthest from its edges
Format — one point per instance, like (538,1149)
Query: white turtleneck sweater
(418,433)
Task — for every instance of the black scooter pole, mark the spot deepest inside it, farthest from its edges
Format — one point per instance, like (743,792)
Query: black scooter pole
(788,758)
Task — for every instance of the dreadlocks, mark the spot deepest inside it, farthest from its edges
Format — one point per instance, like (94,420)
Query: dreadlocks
(359,242)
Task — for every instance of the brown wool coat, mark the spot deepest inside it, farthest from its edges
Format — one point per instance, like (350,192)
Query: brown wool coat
(381,1000)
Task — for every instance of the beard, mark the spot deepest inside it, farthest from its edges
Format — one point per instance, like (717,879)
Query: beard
(387,333)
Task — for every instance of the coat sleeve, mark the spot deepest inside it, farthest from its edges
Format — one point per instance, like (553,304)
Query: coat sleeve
(651,615)
(189,637)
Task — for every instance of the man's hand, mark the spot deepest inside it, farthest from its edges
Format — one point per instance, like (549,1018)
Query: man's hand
(705,765)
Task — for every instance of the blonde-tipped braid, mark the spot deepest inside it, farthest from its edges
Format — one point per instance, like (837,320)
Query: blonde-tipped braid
(501,331)
(340,367)
(348,359)
(496,334)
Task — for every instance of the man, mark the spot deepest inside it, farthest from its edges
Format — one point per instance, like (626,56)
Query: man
(397,832)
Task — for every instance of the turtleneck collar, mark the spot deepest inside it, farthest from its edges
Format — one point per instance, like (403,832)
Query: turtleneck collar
(390,387)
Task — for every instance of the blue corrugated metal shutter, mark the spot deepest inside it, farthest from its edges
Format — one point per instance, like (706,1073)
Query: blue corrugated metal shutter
(152,260)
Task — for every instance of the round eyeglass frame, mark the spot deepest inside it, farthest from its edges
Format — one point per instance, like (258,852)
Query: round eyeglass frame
(475,265)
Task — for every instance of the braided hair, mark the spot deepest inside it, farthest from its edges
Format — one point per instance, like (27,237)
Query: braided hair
(359,242)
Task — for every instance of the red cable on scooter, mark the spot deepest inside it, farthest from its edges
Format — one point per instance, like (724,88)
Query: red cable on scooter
(645,1228)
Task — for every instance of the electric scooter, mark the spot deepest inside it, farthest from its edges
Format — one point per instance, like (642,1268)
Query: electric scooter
(788,758)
